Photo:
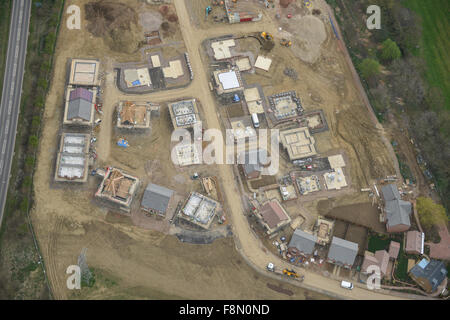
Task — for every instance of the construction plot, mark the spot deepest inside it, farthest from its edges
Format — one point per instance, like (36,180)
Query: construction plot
(335,180)
(307,185)
(174,70)
(362,214)
(323,229)
(184,114)
(253,100)
(186,155)
(240,11)
(284,106)
(199,210)
(227,81)
(73,158)
(242,128)
(298,143)
(137,77)
(263,63)
(134,115)
(84,72)
(117,189)
(221,49)
(79,107)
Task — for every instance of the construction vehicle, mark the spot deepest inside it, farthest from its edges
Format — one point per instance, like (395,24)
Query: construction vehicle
(266,36)
(286,43)
(207,11)
(290,273)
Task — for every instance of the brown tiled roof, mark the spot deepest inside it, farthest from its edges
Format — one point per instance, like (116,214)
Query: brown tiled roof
(132,114)
(413,241)
(394,248)
(272,213)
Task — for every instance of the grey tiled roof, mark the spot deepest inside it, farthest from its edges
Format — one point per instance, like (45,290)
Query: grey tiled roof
(398,212)
(434,272)
(343,251)
(156,198)
(303,241)
(79,108)
(390,192)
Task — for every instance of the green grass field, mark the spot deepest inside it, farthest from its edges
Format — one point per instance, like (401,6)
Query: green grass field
(435,41)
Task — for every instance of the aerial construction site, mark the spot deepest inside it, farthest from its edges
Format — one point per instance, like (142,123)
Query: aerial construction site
(152,215)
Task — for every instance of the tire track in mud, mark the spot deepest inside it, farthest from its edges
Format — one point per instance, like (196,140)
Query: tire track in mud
(52,266)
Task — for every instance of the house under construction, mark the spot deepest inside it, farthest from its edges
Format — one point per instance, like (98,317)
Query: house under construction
(184,114)
(118,189)
(199,210)
(133,115)
(73,158)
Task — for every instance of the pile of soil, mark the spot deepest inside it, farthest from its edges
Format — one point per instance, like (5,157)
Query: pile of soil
(285,3)
(114,22)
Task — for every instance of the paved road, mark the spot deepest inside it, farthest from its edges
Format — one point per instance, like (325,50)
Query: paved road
(12,91)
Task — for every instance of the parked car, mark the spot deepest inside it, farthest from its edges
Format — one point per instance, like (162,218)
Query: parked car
(346,285)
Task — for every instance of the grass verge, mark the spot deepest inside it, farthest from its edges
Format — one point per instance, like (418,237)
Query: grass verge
(21,267)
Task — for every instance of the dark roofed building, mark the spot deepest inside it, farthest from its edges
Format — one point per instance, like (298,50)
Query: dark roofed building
(390,192)
(342,252)
(273,216)
(429,274)
(81,93)
(79,106)
(79,109)
(302,241)
(156,199)
(252,162)
(397,211)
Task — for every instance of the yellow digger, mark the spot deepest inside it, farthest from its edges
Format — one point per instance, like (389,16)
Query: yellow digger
(290,273)
(266,36)
(286,43)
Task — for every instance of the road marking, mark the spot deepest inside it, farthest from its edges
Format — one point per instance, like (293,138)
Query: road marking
(4,146)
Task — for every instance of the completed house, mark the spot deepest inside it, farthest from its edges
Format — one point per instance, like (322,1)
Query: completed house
(303,242)
(397,211)
(429,274)
(342,252)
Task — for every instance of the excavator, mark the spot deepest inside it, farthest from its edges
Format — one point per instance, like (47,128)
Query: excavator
(286,43)
(290,273)
(266,36)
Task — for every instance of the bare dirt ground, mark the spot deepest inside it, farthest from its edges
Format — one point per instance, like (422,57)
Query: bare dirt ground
(135,263)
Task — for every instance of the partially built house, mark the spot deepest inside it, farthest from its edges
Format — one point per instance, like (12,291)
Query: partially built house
(283,106)
(199,210)
(228,81)
(72,164)
(134,115)
(117,189)
(241,12)
(298,143)
(84,72)
(184,114)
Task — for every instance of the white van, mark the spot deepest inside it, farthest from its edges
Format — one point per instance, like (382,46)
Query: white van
(255,120)
(347,285)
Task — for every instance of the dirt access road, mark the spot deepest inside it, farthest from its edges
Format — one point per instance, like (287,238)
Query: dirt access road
(246,241)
